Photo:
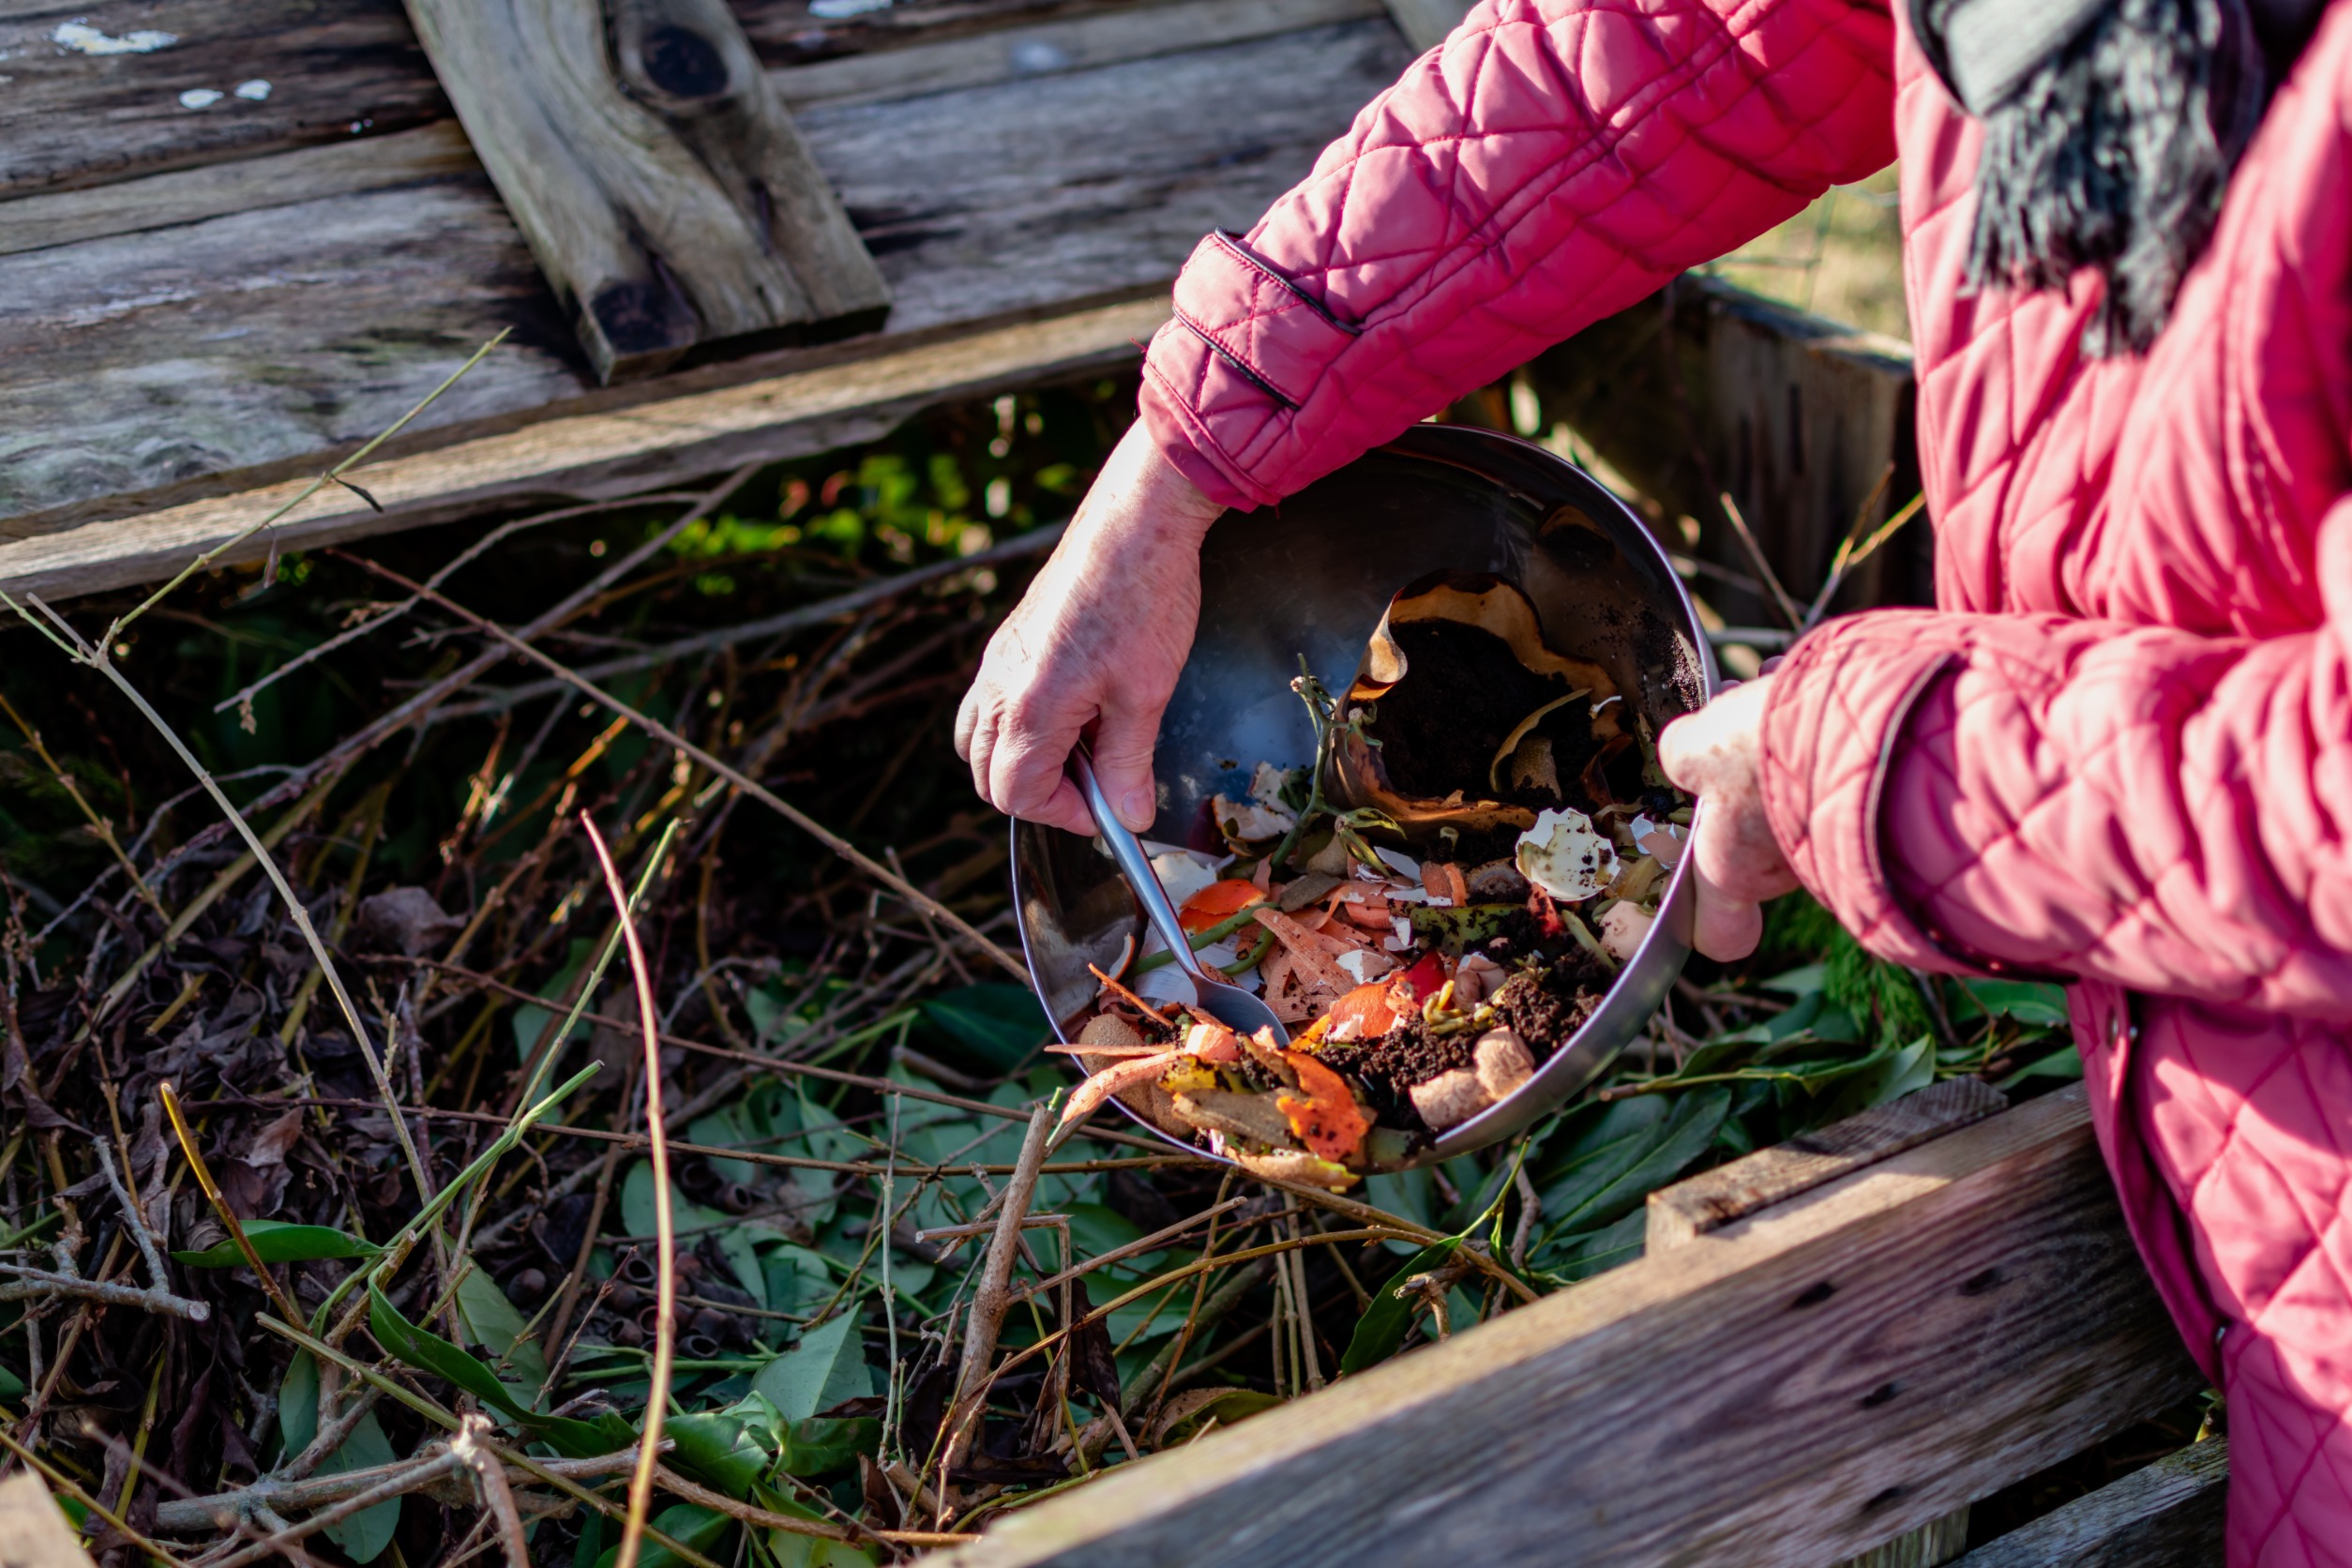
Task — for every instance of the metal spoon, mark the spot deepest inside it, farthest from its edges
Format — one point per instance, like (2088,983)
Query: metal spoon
(1211,994)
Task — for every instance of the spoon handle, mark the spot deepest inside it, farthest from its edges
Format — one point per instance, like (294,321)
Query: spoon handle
(1127,851)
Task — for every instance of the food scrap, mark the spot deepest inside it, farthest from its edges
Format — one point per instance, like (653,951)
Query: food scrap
(1432,906)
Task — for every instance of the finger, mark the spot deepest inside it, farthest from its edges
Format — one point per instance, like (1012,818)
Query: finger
(1684,748)
(1124,740)
(1724,927)
(968,718)
(1065,808)
(1028,765)
(986,717)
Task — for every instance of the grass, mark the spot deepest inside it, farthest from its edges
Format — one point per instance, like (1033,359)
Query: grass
(895,1317)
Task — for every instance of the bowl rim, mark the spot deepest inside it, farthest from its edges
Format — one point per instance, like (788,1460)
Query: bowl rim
(1644,979)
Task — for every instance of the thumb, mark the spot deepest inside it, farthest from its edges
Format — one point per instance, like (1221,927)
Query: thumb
(1123,763)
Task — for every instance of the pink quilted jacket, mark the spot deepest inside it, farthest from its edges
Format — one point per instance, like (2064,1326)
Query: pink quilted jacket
(2121,753)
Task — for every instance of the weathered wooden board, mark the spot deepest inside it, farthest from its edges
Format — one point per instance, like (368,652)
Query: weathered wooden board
(439,149)
(2169,1515)
(593,455)
(149,370)
(1709,388)
(105,104)
(1791,1390)
(650,165)
(1426,22)
(1713,1199)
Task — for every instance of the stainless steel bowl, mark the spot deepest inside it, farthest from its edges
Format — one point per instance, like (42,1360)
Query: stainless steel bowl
(1312,577)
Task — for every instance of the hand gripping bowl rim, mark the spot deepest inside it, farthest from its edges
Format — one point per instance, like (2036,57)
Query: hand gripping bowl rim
(1643,982)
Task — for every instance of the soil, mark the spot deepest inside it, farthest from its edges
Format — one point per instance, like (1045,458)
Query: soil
(1545,1007)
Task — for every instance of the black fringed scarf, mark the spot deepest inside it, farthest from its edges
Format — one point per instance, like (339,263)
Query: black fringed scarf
(2110,130)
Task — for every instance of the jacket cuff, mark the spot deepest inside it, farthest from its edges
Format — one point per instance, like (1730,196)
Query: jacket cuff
(1838,704)
(1223,377)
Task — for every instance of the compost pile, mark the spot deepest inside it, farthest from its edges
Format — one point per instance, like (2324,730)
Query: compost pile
(380,1280)
(1430,988)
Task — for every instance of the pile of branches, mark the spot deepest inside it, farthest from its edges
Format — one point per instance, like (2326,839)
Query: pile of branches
(508,1048)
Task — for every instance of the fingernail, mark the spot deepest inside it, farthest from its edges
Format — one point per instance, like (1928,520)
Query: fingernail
(1137,809)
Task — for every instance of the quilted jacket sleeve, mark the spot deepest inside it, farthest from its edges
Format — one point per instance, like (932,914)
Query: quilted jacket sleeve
(2166,811)
(1553,162)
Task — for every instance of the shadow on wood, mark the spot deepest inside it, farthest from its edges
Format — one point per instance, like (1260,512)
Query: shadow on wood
(648,159)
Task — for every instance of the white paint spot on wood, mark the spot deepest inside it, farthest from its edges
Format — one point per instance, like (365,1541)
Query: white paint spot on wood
(200,98)
(83,38)
(253,91)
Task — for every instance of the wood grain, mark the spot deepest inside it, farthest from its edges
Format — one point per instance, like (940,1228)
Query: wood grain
(1709,388)
(593,455)
(1791,1389)
(1426,23)
(438,150)
(33,1532)
(667,196)
(148,370)
(2169,1515)
(339,70)
(1715,1198)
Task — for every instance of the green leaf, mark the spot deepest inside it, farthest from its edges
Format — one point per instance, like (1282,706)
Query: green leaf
(429,1352)
(366,1533)
(805,1551)
(1381,1329)
(1607,1189)
(2065,1064)
(827,1366)
(2031,1003)
(720,1449)
(492,1321)
(1891,1075)
(1001,1024)
(819,1447)
(798,1281)
(278,1242)
(688,1524)
(1592,1252)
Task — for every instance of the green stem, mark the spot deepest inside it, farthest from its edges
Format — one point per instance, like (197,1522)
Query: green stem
(1198,940)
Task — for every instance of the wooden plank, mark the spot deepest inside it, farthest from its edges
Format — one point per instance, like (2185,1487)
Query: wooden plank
(1426,23)
(666,194)
(1715,1198)
(33,1531)
(2169,1515)
(1680,1213)
(1708,387)
(1047,49)
(337,71)
(1793,1389)
(593,456)
(435,151)
(144,371)
(438,150)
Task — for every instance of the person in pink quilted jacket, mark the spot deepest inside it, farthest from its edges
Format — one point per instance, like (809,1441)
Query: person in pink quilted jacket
(2121,751)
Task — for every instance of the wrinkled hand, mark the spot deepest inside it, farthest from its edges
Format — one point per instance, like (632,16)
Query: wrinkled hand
(1717,754)
(1094,646)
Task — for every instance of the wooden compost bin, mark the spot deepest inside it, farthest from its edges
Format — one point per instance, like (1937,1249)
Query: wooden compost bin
(212,289)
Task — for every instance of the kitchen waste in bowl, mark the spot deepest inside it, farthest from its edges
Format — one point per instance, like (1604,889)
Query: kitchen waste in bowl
(1478,897)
